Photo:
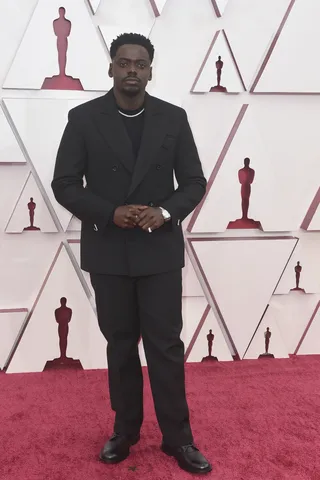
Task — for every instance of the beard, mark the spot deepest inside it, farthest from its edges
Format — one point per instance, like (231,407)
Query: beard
(131,90)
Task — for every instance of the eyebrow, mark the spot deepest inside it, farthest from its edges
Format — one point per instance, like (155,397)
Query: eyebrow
(134,60)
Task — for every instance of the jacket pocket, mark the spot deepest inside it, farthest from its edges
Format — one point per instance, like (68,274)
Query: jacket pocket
(168,142)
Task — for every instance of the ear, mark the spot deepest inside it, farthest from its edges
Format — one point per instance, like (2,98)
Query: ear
(150,75)
(110,73)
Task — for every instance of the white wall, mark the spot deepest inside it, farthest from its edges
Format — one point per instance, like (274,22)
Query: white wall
(270,114)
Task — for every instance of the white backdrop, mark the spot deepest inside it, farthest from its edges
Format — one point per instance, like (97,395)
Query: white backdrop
(237,282)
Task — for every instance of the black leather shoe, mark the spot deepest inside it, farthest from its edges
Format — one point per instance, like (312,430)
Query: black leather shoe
(117,448)
(188,457)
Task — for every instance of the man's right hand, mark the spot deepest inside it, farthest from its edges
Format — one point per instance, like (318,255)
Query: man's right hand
(126,216)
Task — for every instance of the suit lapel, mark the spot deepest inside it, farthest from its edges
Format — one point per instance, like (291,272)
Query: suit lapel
(113,130)
(153,134)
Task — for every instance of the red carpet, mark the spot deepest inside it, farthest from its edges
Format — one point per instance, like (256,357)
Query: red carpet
(255,420)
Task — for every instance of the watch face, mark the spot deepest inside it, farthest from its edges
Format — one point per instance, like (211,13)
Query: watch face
(166,215)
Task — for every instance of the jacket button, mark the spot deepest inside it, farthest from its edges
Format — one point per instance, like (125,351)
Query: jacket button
(158,167)
(114,168)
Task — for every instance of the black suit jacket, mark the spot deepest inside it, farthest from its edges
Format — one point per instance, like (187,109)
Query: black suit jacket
(96,146)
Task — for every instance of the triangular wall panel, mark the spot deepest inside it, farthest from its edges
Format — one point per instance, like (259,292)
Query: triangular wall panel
(86,56)
(295,44)
(219,72)
(40,124)
(94,4)
(240,293)
(227,202)
(74,225)
(311,221)
(31,213)
(11,321)
(310,343)
(14,19)
(10,152)
(224,116)
(191,286)
(252,27)
(219,6)
(315,222)
(199,321)
(40,341)
(257,347)
(158,6)
(12,180)
(178,21)
(74,245)
(291,313)
(281,191)
(303,268)
(115,17)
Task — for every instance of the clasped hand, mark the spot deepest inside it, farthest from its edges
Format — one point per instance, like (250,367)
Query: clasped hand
(131,216)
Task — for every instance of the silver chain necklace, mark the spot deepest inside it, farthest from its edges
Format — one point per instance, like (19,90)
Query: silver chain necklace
(134,115)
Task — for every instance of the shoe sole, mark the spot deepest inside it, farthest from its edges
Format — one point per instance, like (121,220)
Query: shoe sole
(119,458)
(187,469)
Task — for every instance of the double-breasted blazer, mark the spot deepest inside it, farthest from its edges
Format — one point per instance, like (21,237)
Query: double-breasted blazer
(95,147)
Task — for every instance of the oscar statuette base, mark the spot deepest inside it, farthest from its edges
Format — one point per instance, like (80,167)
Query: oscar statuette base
(59,82)
(63,363)
(31,229)
(209,358)
(244,223)
(218,88)
(266,355)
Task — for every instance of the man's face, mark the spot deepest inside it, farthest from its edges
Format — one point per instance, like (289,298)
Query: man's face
(131,69)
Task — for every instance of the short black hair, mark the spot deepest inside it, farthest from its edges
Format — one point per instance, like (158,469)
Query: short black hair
(131,39)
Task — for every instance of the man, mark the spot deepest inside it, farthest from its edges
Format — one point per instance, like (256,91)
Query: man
(127,145)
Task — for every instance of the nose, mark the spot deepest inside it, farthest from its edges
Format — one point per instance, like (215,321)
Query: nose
(132,70)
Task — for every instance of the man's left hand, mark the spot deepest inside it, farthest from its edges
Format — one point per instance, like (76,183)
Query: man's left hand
(151,218)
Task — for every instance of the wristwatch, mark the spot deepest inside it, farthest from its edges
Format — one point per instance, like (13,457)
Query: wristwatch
(166,215)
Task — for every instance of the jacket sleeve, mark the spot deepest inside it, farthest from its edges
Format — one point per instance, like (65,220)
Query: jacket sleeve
(189,175)
(67,183)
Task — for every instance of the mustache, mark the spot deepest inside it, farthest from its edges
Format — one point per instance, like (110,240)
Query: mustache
(131,77)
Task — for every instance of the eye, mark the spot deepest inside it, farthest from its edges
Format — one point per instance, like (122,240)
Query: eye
(123,64)
(141,65)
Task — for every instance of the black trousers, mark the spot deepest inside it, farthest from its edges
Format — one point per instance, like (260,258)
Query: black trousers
(149,306)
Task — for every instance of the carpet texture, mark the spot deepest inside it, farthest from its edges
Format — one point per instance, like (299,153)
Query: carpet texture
(255,420)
